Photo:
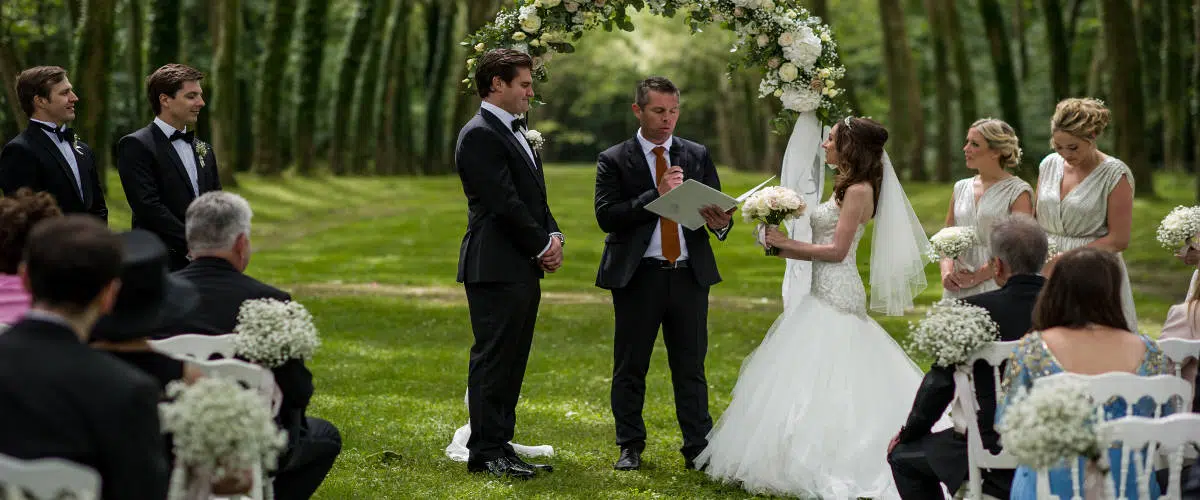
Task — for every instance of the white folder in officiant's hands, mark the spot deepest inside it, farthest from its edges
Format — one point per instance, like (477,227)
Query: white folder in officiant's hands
(683,203)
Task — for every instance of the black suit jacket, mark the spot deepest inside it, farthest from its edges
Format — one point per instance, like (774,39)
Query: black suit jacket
(624,187)
(222,290)
(158,187)
(61,398)
(508,216)
(33,160)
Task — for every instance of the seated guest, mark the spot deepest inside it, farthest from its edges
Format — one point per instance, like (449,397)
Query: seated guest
(1079,327)
(217,227)
(920,460)
(60,398)
(18,214)
(1183,322)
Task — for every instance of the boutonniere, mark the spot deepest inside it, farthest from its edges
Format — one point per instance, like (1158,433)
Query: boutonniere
(77,146)
(535,139)
(201,148)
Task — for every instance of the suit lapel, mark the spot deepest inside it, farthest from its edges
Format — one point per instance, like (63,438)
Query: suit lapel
(514,146)
(85,168)
(35,134)
(167,150)
(638,165)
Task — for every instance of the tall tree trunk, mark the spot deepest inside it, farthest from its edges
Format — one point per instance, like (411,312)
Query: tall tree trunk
(393,138)
(343,100)
(312,50)
(138,104)
(92,60)
(1127,101)
(820,8)
(1097,67)
(366,100)
(968,112)
(10,67)
(1073,8)
(1173,101)
(479,12)
(906,116)
(1060,52)
(1196,94)
(225,96)
(441,24)
(267,155)
(945,92)
(1002,63)
(1022,44)
(75,12)
(165,16)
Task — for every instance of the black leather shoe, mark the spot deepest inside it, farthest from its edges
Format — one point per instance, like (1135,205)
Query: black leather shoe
(533,467)
(502,467)
(690,464)
(631,459)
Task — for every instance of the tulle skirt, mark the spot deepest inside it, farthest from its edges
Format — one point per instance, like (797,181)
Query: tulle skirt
(814,408)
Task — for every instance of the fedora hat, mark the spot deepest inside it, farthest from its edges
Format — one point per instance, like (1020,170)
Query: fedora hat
(150,298)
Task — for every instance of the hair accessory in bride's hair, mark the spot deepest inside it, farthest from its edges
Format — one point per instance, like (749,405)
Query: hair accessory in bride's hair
(847,121)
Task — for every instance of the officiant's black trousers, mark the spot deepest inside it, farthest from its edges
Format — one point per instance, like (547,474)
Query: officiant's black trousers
(502,318)
(673,299)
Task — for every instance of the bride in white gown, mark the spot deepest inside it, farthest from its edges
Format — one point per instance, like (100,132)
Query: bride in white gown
(817,402)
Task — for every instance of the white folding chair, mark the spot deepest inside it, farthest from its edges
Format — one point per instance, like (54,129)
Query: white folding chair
(979,457)
(1178,351)
(194,346)
(1171,435)
(1131,388)
(47,478)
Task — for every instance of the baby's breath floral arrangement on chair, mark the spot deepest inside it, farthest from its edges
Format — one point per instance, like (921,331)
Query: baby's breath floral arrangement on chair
(270,332)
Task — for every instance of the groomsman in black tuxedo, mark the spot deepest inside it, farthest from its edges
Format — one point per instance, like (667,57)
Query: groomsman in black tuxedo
(920,460)
(658,271)
(511,240)
(47,156)
(164,166)
(60,398)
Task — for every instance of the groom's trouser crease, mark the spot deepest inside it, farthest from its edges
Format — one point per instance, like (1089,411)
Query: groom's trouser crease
(502,319)
(674,300)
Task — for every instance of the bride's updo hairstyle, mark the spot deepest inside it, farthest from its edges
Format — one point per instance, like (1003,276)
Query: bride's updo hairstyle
(1082,118)
(1002,139)
(859,143)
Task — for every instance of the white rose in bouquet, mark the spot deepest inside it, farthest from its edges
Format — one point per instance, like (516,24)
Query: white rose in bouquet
(773,205)
(951,331)
(1179,228)
(271,332)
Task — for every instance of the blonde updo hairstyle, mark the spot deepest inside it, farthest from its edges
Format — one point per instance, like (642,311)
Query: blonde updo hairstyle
(1083,118)
(1001,138)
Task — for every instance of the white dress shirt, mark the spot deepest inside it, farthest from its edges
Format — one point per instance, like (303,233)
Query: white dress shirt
(185,151)
(507,118)
(654,250)
(68,152)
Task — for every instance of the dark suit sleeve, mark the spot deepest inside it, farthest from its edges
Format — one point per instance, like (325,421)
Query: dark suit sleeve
(18,168)
(99,208)
(615,213)
(135,163)
(480,161)
(934,395)
(216,174)
(134,462)
(712,180)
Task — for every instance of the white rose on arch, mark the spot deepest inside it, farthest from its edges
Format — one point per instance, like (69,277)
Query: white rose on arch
(530,21)
(788,72)
(549,4)
(805,49)
(800,99)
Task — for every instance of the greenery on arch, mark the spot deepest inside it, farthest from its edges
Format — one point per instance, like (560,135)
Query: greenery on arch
(796,52)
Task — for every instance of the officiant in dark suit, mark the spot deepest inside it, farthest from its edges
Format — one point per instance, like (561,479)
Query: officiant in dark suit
(48,156)
(920,459)
(658,271)
(163,166)
(511,240)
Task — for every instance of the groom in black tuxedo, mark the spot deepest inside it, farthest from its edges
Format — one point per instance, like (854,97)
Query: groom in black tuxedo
(163,165)
(511,240)
(658,271)
(47,156)
(920,460)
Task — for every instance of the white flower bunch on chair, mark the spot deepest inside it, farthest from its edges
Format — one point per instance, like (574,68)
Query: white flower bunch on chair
(270,332)
(1049,424)
(951,331)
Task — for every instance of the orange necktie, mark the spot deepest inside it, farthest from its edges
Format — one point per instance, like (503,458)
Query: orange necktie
(669,229)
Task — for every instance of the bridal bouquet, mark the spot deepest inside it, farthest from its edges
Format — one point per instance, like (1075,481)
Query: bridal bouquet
(951,331)
(219,429)
(1179,228)
(1049,424)
(952,242)
(772,206)
(270,332)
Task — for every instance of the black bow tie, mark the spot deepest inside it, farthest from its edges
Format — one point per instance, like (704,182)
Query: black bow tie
(519,124)
(64,134)
(187,137)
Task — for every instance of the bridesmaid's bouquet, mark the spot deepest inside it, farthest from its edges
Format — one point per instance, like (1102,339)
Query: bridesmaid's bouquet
(951,331)
(952,242)
(1179,228)
(1052,423)
(772,206)
(270,332)
(219,429)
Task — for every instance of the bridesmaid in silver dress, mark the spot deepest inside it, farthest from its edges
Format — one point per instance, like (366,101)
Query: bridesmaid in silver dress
(1084,196)
(992,148)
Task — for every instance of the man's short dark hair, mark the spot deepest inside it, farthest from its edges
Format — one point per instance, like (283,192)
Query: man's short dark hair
(168,80)
(37,82)
(502,63)
(70,259)
(656,83)
(1020,242)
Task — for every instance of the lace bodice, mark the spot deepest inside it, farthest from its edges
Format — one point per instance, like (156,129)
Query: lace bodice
(836,283)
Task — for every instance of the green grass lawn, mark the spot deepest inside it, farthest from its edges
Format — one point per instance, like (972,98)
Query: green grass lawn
(374,259)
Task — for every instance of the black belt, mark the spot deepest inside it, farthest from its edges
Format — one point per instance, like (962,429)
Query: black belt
(663,264)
